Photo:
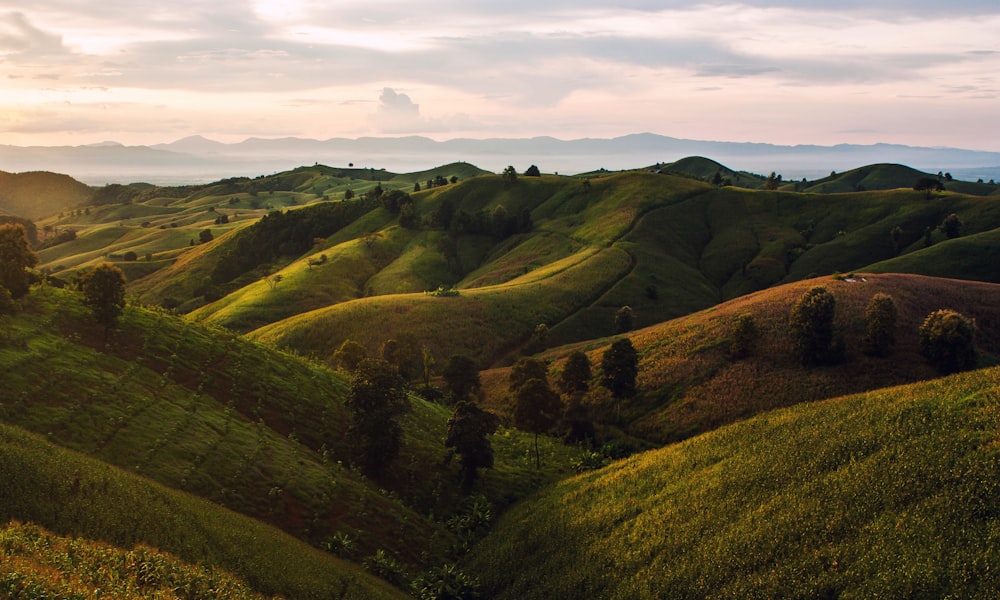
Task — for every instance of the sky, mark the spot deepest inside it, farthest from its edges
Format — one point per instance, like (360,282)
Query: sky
(912,72)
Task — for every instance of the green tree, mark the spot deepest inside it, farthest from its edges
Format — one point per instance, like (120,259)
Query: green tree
(427,363)
(624,319)
(205,236)
(619,369)
(16,257)
(509,175)
(461,377)
(469,428)
(772,181)
(951,226)
(745,335)
(811,325)
(536,409)
(104,293)
(897,239)
(349,355)
(948,341)
(532,171)
(880,320)
(928,185)
(526,369)
(575,377)
(377,401)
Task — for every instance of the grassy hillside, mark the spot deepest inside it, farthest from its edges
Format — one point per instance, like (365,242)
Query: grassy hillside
(79,496)
(888,177)
(39,194)
(974,256)
(688,383)
(894,493)
(40,564)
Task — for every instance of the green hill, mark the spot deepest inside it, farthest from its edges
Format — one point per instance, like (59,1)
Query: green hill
(40,194)
(889,494)
(79,496)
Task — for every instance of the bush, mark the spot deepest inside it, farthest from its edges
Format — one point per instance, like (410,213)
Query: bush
(383,565)
(811,326)
(446,582)
(948,341)
(881,323)
(744,337)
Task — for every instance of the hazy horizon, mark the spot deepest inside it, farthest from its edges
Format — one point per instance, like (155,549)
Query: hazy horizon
(767,71)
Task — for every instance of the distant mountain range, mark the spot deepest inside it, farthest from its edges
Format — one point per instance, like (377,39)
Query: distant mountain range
(197,159)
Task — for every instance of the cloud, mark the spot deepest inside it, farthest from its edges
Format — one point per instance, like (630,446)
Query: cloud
(22,39)
(397,113)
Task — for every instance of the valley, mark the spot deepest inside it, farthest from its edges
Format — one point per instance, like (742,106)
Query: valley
(216,421)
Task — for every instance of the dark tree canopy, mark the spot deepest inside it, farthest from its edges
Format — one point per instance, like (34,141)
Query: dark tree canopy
(811,325)
(16,257)
(624,319)
(526,369)
(104,293)
(509,175)
(376,402)
(951,226)
(948,341)
(532,171)
(461,377)
(349,355)
(928,185)
(619,369)
(575,377)
(468,430)
(744,337)
(880,320)
(536,409)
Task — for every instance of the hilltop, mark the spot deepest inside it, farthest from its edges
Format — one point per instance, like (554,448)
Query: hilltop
(39,194)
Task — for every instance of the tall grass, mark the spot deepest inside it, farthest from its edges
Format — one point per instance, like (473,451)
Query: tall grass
(894,493)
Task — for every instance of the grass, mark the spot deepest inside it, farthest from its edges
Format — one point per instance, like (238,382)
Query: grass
(40,564)
(688,384)
(892,493)
(74,495)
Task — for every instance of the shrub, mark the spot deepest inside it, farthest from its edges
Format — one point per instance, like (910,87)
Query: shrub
(880,318)
(446,582)
(744,337)
(811,326)
(382,564)
(948,341)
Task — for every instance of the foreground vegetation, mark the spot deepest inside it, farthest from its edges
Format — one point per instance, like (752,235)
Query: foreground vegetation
(894,493)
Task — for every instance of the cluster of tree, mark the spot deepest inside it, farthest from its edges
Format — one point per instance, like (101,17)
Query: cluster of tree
(947,338)
(16,257)
(928,185)
(30,231)
(498,222)
(437,181)
(288,233)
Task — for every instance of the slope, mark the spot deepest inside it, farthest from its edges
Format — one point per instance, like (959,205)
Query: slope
(689,384)
(894,493)
(79,496)
(40,194)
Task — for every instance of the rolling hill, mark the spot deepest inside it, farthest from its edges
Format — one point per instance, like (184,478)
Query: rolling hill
(893,493)
(34,195)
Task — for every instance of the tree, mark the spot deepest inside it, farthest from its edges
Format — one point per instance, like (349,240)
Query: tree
(348,194)
(619,369)
(16,257)
(427,363)
(509,175)
(350,355)
(880,319)
(526,369)
(376,402)
(536,409)
(532,171)
(929,185)
(205,236)
(461,377)
(623,319)
(948,341)
(468,430)
(951,226)
(575,377)
(744,337)
(104,293)
(772,181)
(897,239)
(811,325)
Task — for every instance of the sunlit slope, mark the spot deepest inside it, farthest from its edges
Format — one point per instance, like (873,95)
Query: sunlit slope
(38,563)
(689,384)
(72,494)
(894,493)
(39,194)
(485,323)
